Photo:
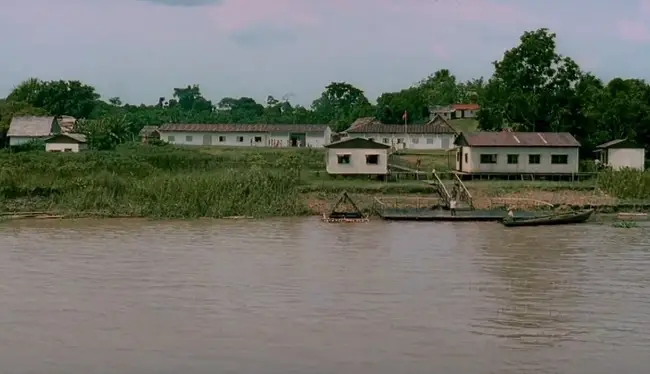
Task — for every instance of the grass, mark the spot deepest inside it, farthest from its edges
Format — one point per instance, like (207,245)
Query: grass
(164,182)
(626,184)
(177,182)
(464,124)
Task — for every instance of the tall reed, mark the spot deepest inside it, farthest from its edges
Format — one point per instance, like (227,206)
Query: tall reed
(626,183)
(143,181)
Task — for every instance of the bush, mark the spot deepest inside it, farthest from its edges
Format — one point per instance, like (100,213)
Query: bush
(626,183)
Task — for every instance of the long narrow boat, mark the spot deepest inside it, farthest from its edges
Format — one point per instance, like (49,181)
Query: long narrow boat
(555,219)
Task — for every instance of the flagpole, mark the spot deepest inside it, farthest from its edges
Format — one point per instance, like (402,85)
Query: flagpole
(406,116)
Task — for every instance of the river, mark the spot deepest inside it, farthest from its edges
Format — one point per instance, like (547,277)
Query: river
(301,296)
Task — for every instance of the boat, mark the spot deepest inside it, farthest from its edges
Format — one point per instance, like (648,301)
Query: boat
(554,219)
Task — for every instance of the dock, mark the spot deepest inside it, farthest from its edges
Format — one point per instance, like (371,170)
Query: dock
(428,214)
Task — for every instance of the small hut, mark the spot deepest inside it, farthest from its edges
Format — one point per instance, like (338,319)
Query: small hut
(622,153)
(149,133)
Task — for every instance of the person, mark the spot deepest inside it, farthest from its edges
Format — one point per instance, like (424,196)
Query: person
(511,213)
(452,206)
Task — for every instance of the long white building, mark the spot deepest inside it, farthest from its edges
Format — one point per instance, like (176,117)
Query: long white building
(435,134)
(246,135)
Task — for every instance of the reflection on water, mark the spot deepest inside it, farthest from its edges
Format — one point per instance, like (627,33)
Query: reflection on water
(301,296)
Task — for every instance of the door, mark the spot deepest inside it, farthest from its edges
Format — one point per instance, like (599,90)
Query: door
(445,142)
(207,139)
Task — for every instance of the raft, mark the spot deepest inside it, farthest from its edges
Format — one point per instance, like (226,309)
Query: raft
(336,216)
(555,219)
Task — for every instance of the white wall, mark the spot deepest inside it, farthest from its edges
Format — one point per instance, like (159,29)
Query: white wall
(357,163)
(242,139)
(65,147)
(620,158)
(18,140)
(412,141)
(474,165)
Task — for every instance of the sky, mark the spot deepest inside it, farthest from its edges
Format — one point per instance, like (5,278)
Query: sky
(139,50)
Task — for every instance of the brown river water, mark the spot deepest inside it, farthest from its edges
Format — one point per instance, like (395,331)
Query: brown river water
(301,296)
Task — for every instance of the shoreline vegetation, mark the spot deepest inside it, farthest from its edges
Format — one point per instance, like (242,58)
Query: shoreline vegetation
(168,182)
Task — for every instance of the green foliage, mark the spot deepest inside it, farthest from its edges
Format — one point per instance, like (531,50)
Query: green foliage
(625,224)
(626,183)
(533,88)
(137,180)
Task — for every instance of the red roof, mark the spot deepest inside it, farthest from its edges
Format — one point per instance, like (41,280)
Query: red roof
(465,106)
(517,139)
(239,127)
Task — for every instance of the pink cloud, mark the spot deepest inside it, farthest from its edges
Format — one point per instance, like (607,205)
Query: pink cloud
(236,15)
(645,7)
(634,31)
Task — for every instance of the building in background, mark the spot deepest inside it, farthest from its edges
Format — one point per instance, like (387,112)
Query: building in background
(357,156)
(622,153)
(455,111)
(66,142)
(517,153)
(246,135)
(435,134)
(26,129)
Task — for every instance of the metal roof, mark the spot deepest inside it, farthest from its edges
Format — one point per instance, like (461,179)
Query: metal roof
(32,126)
(517,139)
(237,127)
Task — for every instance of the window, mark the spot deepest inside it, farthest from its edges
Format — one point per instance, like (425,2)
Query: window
(258,139)
(188,138)
(171,138)
(513,159)
(415,140)
(240,139)
(222,139)
(400,140)
(372,159)
(466,158)
(386,140)
(559,159)
(67,150)
(429,140)
(488,159)
(534,159)
(343,159)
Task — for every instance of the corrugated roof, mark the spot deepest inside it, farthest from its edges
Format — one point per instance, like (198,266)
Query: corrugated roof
(518,139)
(31,126)
(369,125)
(237,127)
(619,143)
(360,143)
(466,106)
(81,138)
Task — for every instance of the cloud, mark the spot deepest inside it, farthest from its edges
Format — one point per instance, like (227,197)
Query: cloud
(140,49)
(634,31)
(263,35)
(188,3)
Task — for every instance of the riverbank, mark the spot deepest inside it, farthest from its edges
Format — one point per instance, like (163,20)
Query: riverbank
(170,182)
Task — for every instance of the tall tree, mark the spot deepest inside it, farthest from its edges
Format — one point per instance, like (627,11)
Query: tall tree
(340,104)
(531,85)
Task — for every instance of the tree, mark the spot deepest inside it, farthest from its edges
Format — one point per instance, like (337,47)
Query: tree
(58,98)
(106,133)
(530,87)
(340,104)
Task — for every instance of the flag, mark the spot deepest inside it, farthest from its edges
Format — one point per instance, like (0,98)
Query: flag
(405,116)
